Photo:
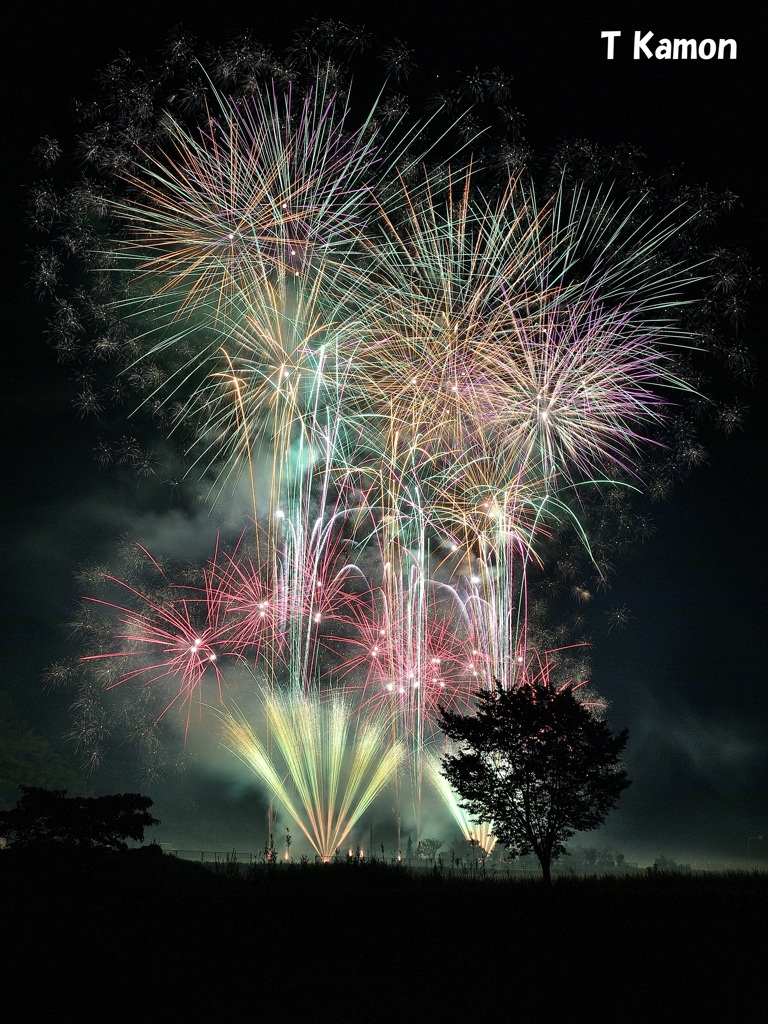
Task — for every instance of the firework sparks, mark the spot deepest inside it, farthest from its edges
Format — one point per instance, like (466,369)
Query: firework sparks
(265,187)
(478,833)
(178,636)
(331,766)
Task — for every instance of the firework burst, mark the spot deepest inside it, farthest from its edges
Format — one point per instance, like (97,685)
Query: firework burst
(177,636)
(265,186)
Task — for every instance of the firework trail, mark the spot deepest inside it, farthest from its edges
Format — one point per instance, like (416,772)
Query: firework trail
(478,833)
(408,666)
(271,400)
(327,766)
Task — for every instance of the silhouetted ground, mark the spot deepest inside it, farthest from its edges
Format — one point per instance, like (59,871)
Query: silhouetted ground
(143,936)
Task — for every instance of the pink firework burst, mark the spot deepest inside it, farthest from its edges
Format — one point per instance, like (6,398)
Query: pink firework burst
(289,604)
(179,637)
(251,601)
(412,656)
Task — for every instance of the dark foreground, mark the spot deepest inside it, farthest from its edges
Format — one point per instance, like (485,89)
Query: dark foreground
(143,936)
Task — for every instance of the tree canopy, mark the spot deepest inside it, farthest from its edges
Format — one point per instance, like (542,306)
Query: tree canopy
(49,817)
(538,763)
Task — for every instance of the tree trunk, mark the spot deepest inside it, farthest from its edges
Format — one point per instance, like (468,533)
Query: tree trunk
(546,870)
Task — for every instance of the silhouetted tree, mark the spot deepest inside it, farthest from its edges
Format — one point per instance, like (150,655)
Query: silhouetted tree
(538,764)
(49,817)
(428,848)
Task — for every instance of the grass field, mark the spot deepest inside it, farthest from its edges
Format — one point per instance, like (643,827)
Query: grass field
(143,936)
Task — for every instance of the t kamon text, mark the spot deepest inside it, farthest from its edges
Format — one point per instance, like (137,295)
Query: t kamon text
(647,46)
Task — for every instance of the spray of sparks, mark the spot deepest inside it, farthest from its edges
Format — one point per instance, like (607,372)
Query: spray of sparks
(336,763)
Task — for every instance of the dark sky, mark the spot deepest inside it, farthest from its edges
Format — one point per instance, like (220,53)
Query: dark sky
(688,675)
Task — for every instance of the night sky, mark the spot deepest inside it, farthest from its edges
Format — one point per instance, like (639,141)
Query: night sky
(687,675)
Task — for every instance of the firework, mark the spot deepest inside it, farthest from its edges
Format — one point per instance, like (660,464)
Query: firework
(327,766)
(177,636)
(409,655)
(417,371)
(478,833)
(585,387)
(265,186)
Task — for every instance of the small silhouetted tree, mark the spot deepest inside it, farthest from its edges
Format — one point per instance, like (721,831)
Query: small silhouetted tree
(428,848)
(44,817)
(538,764)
